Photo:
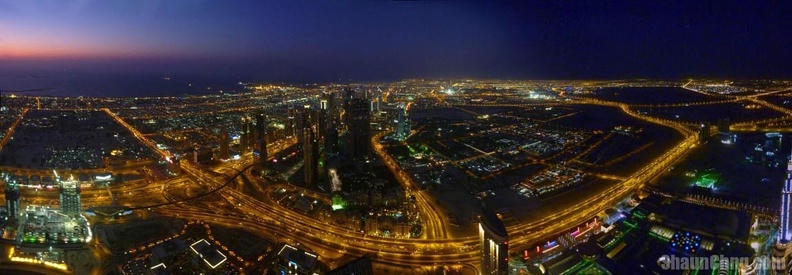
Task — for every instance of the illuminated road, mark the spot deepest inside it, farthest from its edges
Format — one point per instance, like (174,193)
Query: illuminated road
(10,133)
(232,208)
(331,240)
(435,226)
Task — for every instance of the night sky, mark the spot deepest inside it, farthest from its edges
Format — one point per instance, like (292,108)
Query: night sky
(380,40)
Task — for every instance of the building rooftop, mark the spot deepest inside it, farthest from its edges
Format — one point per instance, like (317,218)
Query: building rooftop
(299,257)
(209,254)
(359,266)
(491,221)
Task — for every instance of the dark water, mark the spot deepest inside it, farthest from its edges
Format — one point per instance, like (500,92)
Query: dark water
(650,95)
(114,84)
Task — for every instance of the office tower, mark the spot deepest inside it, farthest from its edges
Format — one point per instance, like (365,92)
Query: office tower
(292,260)
(323,103)
(261,135)
(225,150)
(246,136)
(12,197)
(402,122)
(289,124)
(782,252)
(494,244)
(310,147)
(785,229)
(289,127)
(703,133)
(331,125)
(69,195)
(358,120)
(252,135)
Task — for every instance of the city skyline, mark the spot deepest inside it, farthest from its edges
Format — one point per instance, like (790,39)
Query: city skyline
(402,137)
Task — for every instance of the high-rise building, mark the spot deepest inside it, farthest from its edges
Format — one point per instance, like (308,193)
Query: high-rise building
(782,252)
(703,133)
(402,122)
(292,260)
(358,120)
(12,197)
(225,150)
(330,128)
(252,134)
(261,135)
(494,244)
(785,229)
(290,123)
(69,195)
(310,147)
(246,136)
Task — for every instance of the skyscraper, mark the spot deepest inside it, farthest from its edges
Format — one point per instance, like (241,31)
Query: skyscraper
(494,244)
(402,122)
(358,120)
(782,252)
(261,135)
(331,124)
(703,133)
(69,195)
(225,150)
(12,197)
(310,147)
(785,229)
(246,135)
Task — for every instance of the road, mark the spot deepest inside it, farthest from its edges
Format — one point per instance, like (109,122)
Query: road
(234,208)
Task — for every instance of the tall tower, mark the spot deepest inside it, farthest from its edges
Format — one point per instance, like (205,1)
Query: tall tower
(246,135)
(310,154)
(12,197)
(261,133)
(782,252)
(402,123)
(331,126)
(703,133)
(69,195)
(494,244)
(358,120)
(785,229)
(225,150)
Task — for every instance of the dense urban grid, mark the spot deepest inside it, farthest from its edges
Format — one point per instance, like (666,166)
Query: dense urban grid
(420,176)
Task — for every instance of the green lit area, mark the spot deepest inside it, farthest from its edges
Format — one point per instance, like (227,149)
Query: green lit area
(338,203)
(420,150)
(707,180)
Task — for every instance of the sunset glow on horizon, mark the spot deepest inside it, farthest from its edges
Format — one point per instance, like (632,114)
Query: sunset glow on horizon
(373,40)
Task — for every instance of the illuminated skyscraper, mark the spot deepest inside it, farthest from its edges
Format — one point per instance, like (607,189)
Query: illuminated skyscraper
(782,252)
(69,195)
(310,147)
(261,136)
(331,125)
(703,133)
(358,120)
(402,122)
(494,244)
(12,197)
(225,151)
(785,230)
(246,136)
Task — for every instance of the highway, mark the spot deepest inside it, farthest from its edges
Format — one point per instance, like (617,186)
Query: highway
(435,225)
(263,212)
(220,204)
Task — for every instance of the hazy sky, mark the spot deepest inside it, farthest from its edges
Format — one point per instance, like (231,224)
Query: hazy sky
(367,40)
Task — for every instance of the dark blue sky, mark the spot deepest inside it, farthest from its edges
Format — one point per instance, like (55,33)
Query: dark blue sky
(380,40)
